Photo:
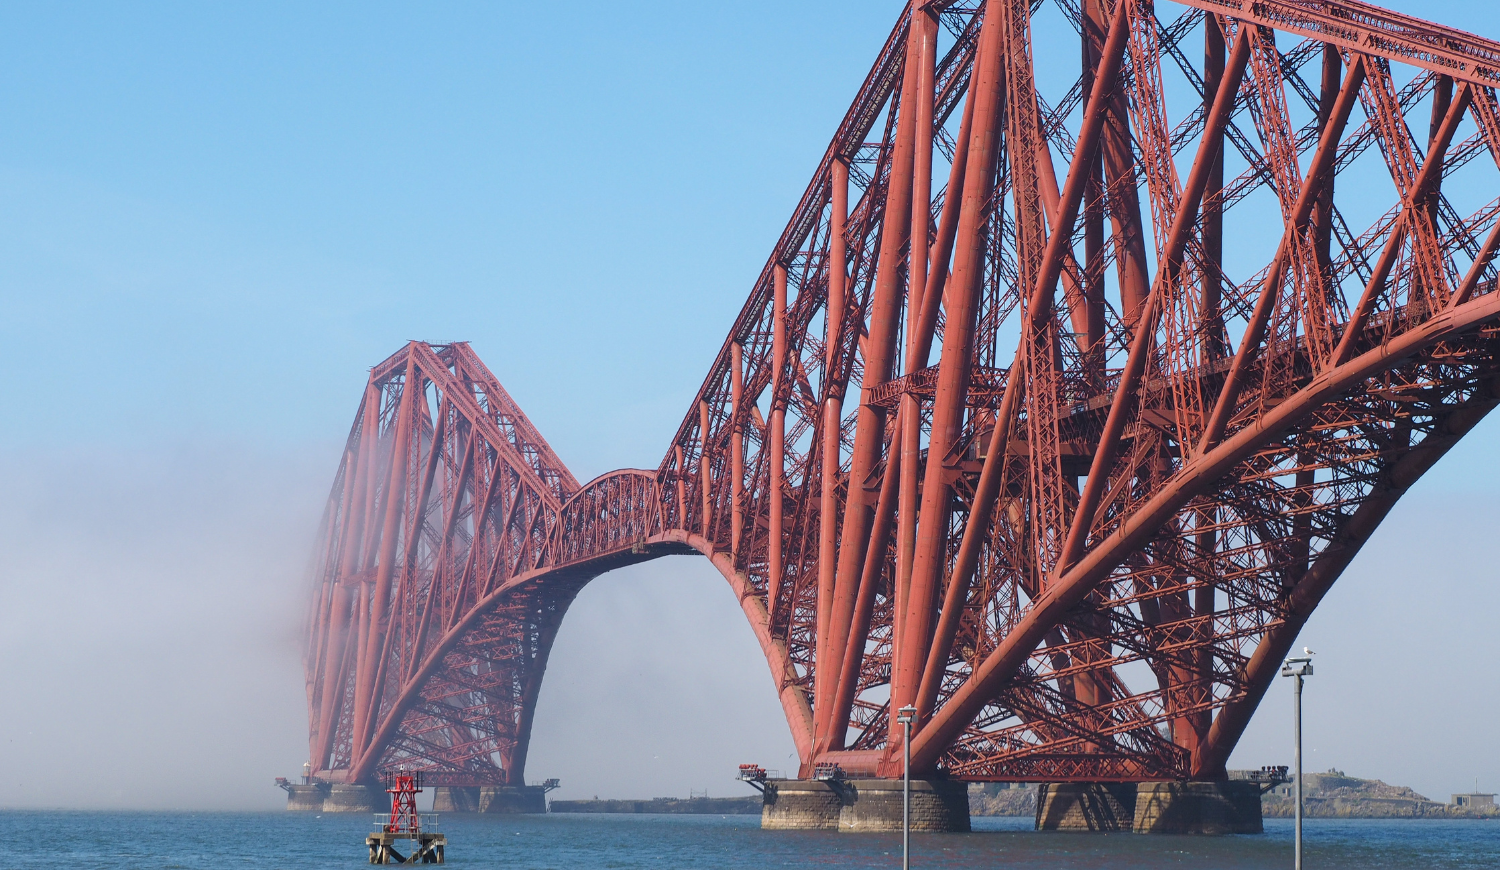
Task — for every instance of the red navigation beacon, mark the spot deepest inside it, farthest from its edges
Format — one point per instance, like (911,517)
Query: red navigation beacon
(405,823)
(403,788)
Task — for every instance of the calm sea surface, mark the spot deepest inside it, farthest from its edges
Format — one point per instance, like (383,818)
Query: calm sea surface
(572,842)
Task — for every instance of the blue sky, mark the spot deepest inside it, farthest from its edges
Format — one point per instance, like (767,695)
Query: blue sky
(228,213)
(217,217)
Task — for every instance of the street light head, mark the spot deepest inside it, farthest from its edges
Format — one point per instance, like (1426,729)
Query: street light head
(1299,666)
(906,715)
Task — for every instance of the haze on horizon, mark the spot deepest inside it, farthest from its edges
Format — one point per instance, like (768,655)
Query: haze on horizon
(217,219)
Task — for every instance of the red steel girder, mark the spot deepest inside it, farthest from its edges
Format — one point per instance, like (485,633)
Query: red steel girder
(1165,460)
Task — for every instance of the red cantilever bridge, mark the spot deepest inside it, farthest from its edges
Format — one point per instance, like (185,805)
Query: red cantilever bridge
(1006,431)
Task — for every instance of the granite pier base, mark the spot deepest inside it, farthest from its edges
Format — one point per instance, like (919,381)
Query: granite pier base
(499,800)
(1085,806)
(356,797)
(1221,807)
(1217,807)
(863,805)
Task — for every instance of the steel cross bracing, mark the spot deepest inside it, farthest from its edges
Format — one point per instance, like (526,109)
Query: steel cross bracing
(1103,338)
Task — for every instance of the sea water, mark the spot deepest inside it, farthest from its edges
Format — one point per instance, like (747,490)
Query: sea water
(160,841)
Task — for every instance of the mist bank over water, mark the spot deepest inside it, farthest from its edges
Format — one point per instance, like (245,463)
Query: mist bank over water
(153,654)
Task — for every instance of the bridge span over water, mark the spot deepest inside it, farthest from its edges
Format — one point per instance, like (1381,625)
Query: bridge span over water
(1103,337)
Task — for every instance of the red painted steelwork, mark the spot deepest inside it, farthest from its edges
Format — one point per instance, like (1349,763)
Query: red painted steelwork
(1081,538)
(403,787)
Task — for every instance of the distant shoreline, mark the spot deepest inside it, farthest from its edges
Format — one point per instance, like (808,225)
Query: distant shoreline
(1331,795)
(727,806)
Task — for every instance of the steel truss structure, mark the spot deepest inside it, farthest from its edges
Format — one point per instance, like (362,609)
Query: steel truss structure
(1103,337)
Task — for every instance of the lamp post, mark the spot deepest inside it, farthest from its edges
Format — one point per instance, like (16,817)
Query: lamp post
(1297,668)
(906,715)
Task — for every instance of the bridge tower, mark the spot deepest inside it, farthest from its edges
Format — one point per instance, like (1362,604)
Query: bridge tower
(1104,335)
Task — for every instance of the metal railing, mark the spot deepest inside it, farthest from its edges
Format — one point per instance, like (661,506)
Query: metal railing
(428,822)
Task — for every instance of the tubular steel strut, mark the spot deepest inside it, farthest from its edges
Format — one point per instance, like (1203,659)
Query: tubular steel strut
(1056,409)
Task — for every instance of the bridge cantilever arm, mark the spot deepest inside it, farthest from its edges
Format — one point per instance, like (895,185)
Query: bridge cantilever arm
(410,689)
(1261,670)
(437,372)
(495,393)
(1362,27)
(793,700)
(1195,478)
